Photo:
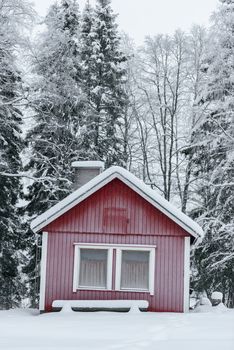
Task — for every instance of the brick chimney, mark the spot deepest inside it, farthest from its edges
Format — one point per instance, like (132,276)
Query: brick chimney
(86,171)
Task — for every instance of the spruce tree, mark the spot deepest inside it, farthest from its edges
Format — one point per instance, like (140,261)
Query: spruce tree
(57,101)
(87,123)
(213,150)
(103,76)
(11,144)
(10,187)
(53,143)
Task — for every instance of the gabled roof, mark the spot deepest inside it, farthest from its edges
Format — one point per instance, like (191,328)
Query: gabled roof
(135,184)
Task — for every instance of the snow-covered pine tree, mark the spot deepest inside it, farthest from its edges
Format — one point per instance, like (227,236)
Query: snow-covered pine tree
(88,121)
(12,14)
(213,150)
(56,99)
(10,188)
(103,78)
(53,143)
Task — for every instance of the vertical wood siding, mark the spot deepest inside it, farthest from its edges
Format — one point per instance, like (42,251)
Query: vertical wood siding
(144,225)
(142,218)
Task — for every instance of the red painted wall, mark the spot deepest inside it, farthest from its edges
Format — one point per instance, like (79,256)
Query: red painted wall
(139,223)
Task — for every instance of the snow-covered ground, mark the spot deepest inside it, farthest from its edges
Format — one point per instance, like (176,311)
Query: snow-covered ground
(25,329)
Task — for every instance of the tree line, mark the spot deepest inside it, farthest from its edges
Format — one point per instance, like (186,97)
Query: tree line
(77,90)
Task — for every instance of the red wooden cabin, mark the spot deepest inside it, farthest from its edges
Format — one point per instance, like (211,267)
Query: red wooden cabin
(115,238)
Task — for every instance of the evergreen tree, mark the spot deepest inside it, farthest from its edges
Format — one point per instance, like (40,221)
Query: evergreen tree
(11,144)
(57,100)
(103,76)
(213,157)
(10,187)
(88,121)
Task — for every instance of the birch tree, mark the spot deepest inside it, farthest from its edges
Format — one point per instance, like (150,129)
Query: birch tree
(161,88)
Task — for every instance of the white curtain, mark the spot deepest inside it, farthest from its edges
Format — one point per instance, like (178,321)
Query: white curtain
(93,268)
(135,270)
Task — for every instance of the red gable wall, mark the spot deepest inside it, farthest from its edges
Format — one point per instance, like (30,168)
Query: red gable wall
(135,222)
(116,208)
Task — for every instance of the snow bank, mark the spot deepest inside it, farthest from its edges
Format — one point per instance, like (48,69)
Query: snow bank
(217,296)
(22,329)
(207,307)
(205,301)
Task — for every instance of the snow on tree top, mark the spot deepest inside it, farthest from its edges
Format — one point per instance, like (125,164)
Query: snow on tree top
(130,180)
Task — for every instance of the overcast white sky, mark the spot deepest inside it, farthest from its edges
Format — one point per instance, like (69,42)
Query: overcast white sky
(139,18)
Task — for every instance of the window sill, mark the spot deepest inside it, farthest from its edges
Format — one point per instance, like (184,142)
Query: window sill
(135,290)
(92,288)
(113,290)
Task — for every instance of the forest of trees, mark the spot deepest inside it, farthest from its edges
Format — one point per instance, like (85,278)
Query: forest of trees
(74,89)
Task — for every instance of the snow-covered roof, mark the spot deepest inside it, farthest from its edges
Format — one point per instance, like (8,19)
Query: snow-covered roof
(130,180)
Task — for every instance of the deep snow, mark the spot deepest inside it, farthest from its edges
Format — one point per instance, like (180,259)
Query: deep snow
(25,329)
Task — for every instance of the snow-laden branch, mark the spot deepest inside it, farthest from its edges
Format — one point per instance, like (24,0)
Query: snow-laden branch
(223,184)
(227,258)
(11,102)
(36,179)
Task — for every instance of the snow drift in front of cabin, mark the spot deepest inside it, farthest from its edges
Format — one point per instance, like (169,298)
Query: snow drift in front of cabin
(26,330)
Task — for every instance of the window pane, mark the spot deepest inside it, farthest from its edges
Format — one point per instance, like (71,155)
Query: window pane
(135,270)
(93,268)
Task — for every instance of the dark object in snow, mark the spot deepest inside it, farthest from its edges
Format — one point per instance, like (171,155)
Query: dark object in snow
(216,298)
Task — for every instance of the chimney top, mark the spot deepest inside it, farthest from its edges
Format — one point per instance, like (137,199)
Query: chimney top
(88,164)
(86,171)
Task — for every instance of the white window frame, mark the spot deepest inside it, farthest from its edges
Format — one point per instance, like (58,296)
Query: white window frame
(77,267)
(119,248)
(151,251)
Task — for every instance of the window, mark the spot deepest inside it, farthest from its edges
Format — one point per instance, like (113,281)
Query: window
(134,267)
(134,270)
(93,268)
